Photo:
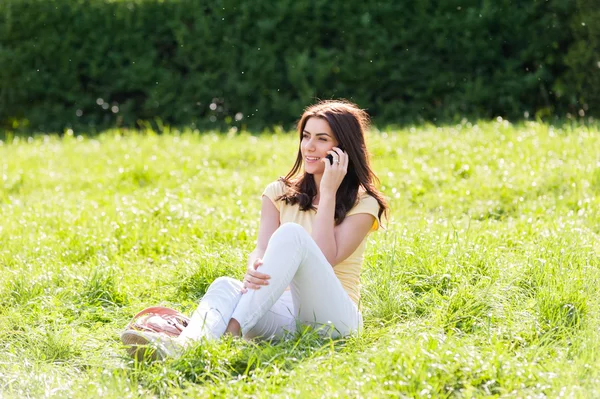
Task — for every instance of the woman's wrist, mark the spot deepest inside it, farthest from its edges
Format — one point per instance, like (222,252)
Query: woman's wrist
(251,257)
(254,255)
(327,196)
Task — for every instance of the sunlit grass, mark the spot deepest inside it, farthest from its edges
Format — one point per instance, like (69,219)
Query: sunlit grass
(483,284)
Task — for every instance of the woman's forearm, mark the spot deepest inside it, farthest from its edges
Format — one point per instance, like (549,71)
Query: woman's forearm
(323,227)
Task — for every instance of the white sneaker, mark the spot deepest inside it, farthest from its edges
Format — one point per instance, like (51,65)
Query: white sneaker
(149,345)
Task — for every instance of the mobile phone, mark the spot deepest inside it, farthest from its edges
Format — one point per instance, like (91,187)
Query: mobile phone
(330,157)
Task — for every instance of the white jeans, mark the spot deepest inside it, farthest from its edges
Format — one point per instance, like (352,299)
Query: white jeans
(316,298)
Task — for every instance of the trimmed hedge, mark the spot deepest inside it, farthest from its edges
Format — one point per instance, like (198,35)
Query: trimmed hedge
(95,64)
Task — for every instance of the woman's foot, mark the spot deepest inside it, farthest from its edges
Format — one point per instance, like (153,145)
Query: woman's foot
(234,328)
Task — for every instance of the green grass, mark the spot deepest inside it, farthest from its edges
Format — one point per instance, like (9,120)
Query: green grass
(484,283)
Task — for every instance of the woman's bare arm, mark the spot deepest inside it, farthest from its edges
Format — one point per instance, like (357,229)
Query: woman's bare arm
(339,242)
(269,222)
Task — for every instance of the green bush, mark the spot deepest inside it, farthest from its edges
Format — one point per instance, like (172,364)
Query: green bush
(583,58)
(94,64)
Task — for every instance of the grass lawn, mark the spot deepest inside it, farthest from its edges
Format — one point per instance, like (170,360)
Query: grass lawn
(484,284)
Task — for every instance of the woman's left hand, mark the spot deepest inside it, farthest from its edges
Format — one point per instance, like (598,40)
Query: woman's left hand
(334,172)
(253,279)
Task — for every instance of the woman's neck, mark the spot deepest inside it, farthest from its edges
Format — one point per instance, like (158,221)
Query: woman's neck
(317,178)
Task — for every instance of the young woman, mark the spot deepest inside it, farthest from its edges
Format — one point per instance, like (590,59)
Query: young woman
(313,228)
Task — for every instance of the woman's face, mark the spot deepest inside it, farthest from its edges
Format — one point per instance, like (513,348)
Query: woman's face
(317,139)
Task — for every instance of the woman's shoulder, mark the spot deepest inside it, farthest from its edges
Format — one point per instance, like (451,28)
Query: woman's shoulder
(275,189)
(366,203)
(278,186)
(364,197)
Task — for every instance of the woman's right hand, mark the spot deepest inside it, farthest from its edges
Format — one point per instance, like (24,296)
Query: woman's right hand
(254,279)
(334,172)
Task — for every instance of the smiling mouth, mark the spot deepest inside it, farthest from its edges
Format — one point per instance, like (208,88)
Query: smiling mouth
(312,158)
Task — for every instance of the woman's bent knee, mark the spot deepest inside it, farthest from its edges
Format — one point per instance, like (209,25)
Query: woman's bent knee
(289,231)
(290,228)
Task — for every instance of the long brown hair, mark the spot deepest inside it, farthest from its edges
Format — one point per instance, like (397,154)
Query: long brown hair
(348,123)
